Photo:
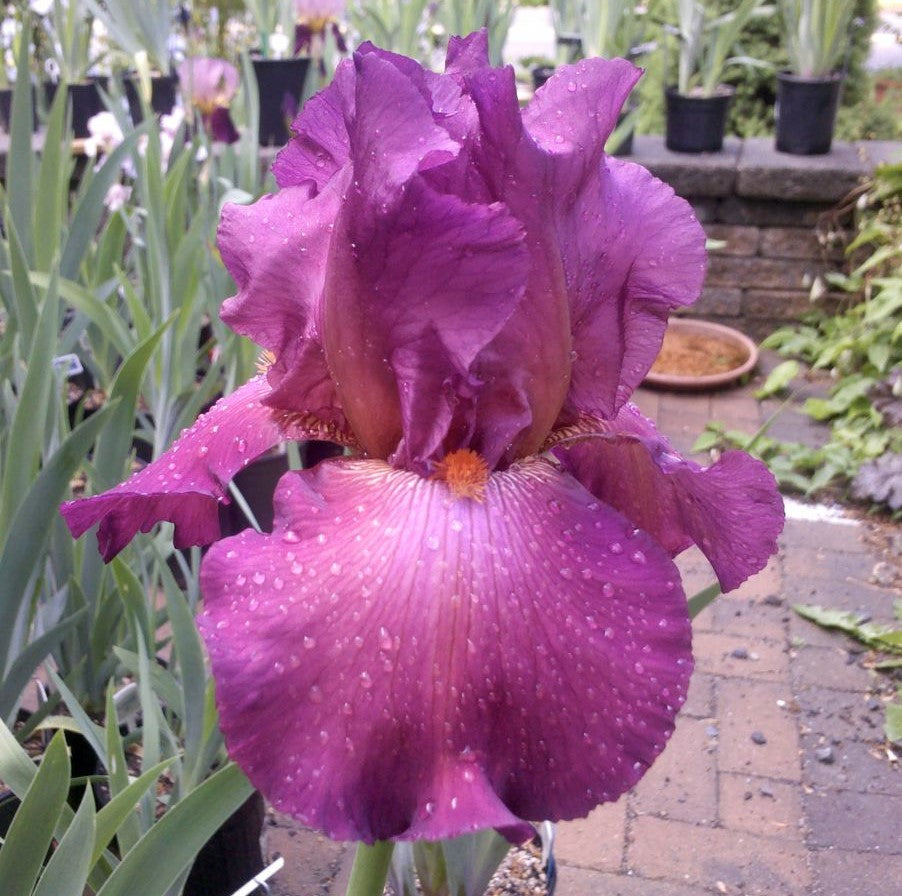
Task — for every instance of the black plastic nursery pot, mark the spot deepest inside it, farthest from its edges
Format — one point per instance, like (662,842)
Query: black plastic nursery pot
(233,855)
(85,102)
(6,109)
(806,113)
(163,90)
(540,74)
(696,123)
(280,84)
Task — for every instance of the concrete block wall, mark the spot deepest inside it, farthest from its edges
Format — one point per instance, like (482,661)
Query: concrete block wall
(766,208)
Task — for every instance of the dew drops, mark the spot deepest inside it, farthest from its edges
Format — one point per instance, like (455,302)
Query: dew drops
(607,589)
(203,451)
(241,446)
(366,680)
(259,578)
(385,639)
(639,668)
(290,536)
(433,543)
(335,569)
(456,525)
(240,580)
(637,557)
(278,583)
(616,548)
(309,642)
(315,693)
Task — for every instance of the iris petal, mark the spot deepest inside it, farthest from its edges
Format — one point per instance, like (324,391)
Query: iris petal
(633,251)
(280,272)
(731,510)
(186,483)
(395,662)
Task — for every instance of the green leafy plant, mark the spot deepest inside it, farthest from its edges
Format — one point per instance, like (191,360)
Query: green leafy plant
(141,30)
(861,347)
(706,42)
(274,24)
(817,34)
(610,28)
(66,43)
(884,639)
(401,26)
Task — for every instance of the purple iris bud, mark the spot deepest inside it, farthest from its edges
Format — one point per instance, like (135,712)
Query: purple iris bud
(475,618)
(210,84)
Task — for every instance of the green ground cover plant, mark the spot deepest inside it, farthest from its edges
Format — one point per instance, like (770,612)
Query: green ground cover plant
(861,348)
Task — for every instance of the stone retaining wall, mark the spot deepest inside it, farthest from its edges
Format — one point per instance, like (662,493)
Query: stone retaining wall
(766,207)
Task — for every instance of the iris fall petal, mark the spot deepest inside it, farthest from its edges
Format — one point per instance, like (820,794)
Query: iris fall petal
(731,510)
(186,483)
(430,665)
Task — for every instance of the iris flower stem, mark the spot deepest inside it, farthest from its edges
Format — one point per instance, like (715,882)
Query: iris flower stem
(370,869)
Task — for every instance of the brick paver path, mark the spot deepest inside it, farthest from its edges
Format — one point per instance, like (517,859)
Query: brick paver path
(777,781)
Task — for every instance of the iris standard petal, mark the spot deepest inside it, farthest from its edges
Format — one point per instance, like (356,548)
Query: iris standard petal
(186,483)
(396,662)
(319,146)
(633,251)
(407,313)
(276,251)
(732,510)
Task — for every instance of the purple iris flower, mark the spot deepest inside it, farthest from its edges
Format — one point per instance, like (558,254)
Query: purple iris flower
(474,618)
(210,85)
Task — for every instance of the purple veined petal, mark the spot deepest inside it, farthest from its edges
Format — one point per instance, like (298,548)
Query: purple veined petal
(277,251)
(528,366)
(188,481)
(732,510)
(633,251)
(431,665)
(574,112)
(320,146)
(393,133)
(468,54)
(408,310)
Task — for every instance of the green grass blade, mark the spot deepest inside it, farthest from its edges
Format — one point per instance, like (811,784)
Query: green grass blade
(31,524)
(52,195)
(17,771)
(178,836)
(87,216)
(67,871)
(24,665)
(20,160)
(113,816)
(32,829)
(113,446)
(27,431)
(105,318)
(192,675)
(699,601)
